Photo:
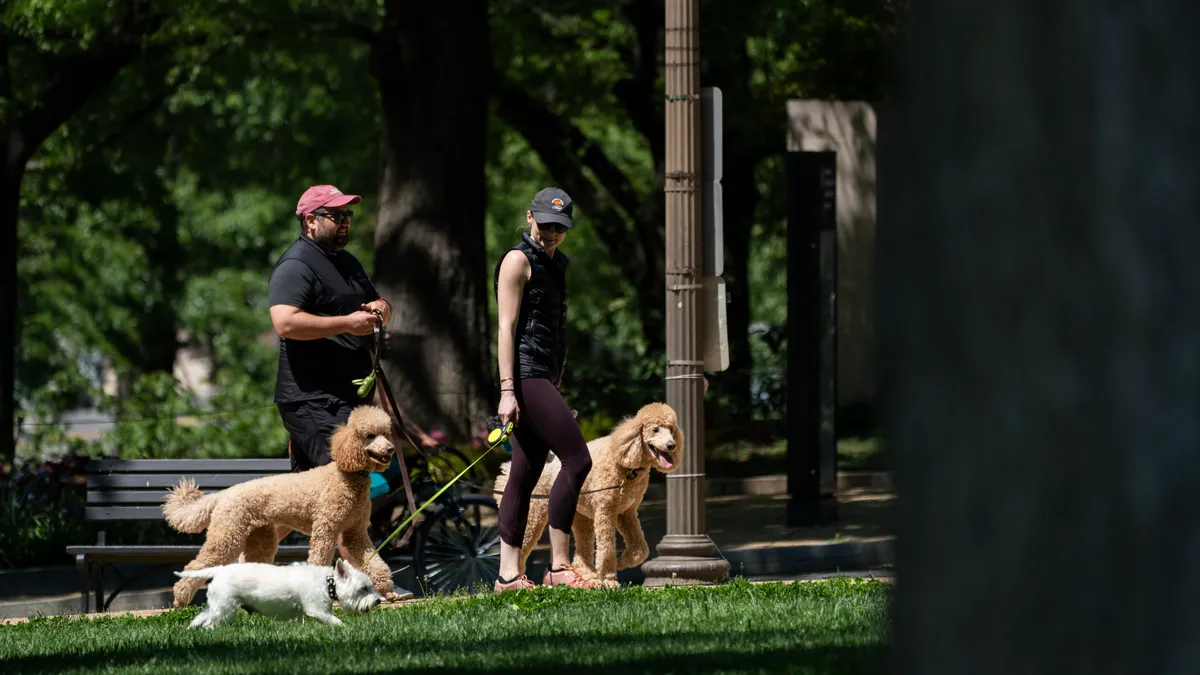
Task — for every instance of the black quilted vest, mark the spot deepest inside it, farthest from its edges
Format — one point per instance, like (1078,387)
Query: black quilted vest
(542,321)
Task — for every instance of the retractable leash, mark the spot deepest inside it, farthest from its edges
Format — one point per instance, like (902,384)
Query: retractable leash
(497,436)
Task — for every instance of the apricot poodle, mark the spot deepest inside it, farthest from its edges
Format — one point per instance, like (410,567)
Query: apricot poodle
(326,502)
(612,493)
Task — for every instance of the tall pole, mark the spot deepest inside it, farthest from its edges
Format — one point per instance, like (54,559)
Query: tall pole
(686,554)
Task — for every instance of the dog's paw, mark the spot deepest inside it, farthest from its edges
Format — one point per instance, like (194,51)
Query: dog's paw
(392,597)
(632,559)
(609,583)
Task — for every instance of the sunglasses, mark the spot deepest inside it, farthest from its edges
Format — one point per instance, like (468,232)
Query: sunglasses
(553,226)
(338,217)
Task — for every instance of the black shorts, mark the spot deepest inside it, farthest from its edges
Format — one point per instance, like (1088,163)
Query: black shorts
(310,425)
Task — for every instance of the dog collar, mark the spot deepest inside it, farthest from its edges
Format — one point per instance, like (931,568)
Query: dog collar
(330,588)
(632,474)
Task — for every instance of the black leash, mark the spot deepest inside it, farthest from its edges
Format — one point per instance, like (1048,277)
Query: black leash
(382,382)
(630,474)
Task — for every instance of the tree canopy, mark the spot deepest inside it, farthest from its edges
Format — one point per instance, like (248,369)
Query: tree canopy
(172,139)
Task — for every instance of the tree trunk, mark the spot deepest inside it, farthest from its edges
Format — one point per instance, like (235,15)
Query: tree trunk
(1039,333)
(13,154)
(432,65)
(160,325)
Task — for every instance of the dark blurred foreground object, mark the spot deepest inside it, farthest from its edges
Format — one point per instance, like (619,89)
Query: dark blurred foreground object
(1039,332)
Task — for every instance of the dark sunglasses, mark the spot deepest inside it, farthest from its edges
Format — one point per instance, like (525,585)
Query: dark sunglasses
(337,217)
(553,226)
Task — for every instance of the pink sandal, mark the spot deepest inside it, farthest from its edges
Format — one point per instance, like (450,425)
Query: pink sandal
(566,576)
(521,583)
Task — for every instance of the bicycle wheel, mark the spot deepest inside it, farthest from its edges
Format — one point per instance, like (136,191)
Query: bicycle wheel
(448,462)
(459,545)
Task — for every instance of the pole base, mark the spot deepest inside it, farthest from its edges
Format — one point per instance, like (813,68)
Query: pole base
(685,560)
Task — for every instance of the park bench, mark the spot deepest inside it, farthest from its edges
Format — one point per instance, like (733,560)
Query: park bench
(133,490)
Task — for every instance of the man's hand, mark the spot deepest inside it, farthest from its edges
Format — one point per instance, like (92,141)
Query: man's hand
(361,323)
(381,306)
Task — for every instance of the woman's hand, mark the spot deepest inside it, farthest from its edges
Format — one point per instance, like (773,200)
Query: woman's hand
(508,410)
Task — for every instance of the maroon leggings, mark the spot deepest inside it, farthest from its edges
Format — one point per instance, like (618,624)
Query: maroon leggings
(545,423)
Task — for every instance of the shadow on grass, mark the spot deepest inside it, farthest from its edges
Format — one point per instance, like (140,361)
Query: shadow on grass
(774,652)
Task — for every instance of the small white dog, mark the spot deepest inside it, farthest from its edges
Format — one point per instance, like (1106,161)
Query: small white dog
(283,592)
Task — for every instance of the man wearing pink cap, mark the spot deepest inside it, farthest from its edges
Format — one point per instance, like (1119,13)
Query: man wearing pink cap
(324,307)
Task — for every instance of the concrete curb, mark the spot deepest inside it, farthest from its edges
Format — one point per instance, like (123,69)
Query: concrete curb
(60,605)
(776,561)
(793,560)
(34,583)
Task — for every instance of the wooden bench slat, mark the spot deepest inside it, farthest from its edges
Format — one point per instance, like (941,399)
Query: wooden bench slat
(161,548)
(150,481)
(123,512)
(260,465)
(131,497)
(151,553)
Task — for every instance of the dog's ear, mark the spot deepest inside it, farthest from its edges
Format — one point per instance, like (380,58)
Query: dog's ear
(629,440)
(347,450)
(340,568)
(677,432)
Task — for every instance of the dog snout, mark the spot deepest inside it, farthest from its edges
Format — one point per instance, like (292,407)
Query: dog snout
(380,449)
(670,445)
(375,601)
(380,445)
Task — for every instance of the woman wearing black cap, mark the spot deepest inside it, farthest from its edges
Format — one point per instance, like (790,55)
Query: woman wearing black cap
(531,294)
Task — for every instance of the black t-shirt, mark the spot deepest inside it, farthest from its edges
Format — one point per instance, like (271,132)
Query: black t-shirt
(319,282)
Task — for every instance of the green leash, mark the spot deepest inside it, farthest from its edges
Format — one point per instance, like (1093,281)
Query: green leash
(495,437)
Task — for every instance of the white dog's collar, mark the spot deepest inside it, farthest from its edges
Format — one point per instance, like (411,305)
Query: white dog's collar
(329,586)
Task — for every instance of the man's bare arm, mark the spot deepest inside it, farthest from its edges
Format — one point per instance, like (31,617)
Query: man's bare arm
(295,324)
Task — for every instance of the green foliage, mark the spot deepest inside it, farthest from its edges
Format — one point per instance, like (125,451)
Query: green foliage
(39,518)
(171,226)
(158,421)
(160,208)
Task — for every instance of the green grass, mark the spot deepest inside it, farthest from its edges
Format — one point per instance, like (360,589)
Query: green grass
(744,458)
(836,627)
(861,453)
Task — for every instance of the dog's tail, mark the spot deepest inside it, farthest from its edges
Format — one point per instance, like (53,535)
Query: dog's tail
(206,573)
(186,508)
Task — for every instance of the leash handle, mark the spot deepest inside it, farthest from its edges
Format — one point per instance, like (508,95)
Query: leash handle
(499,433)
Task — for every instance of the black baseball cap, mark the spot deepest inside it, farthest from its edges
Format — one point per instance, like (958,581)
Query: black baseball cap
(551,205)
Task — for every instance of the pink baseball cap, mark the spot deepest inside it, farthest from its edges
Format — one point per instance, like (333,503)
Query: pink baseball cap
(323,195)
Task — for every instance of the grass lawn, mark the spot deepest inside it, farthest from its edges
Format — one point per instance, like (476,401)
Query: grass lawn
(747,458)
(836,627)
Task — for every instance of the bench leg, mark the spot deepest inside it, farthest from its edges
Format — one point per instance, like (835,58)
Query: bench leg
(85,576)
(98,585)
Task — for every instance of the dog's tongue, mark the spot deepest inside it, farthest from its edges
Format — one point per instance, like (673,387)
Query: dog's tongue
(663,461)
